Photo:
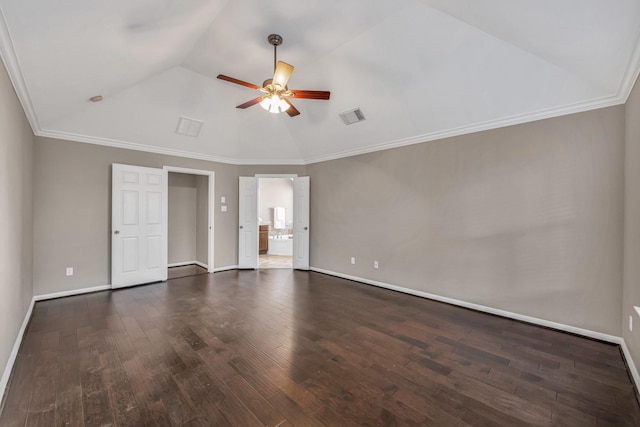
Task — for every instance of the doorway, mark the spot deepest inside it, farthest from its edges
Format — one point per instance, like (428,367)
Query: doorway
(248,222)
(139,223)
(190,222)
(275,220)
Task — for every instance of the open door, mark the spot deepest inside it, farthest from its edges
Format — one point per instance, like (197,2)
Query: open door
(248,223)
(301,223)
(138,225)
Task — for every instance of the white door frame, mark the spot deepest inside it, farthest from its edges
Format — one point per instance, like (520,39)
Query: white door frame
(276,175)
(211,210)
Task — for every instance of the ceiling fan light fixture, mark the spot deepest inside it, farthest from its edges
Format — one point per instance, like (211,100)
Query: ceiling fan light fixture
(274,104)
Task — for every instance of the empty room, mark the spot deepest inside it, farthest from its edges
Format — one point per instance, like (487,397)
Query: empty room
(354,213)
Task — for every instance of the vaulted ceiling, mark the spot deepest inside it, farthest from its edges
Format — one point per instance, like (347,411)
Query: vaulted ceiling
(418,69)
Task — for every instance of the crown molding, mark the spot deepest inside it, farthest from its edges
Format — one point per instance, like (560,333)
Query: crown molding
(68,136)
(11,62)
(48,133)
(631,72)
(550,113)
(270,162)
(433,136)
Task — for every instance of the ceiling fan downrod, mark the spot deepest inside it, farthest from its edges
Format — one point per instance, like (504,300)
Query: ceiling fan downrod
(275,40)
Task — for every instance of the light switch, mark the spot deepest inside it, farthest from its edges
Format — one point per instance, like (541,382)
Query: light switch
(223,208)
(223,199)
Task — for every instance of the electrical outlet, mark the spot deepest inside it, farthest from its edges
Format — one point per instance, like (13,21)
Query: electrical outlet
(375,264)
(631,323)
(69,271)
(353,260)
(223,208)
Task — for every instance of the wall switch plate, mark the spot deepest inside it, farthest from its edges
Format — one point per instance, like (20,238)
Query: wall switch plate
(353,260)
(375,264)
(69,271)
(223,199)
(223,208)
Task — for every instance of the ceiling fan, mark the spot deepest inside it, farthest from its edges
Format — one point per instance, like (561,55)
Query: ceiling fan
(276,93)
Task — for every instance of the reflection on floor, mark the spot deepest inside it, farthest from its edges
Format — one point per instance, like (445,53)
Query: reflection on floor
(185,271)
(275,261)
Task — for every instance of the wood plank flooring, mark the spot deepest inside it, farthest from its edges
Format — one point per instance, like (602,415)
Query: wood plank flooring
(289,348)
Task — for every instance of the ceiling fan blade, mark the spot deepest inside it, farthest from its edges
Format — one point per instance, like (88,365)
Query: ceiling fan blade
(238,82)
(311,94)
(248,104)
(282,74)
(291,111)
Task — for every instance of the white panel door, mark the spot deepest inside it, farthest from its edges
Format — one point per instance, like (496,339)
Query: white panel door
(138,225)
(248,223)
(301,223)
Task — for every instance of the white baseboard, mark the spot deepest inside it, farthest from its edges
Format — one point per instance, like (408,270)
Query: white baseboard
(536,321)
(533,320)
(71,293)
(16,346)
(179,264)
(185,263)
(632,366)
(14,351)
(228,267)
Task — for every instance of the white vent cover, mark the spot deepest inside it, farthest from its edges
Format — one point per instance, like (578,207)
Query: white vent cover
(189,127)
(352,116)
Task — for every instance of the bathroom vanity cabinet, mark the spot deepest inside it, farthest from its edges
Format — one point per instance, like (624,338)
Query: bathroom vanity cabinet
(263,241)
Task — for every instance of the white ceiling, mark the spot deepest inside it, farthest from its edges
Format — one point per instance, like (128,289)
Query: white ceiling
(418,69)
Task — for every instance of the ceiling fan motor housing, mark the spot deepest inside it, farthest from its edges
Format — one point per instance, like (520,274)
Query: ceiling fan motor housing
(275,39)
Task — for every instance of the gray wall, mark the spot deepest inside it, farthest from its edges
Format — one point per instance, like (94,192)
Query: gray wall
(72,209)
(72,220)
(527,219)
(631,289)
(16,221)
(182,207)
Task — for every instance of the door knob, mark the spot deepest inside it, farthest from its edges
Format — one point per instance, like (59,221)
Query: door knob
(116,232)
(306,228)
(241,227)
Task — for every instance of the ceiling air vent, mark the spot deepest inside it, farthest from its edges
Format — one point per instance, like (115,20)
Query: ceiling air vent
(189,127)
(352,116)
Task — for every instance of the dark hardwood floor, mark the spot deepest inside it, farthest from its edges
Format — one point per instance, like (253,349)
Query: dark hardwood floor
(282,348)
